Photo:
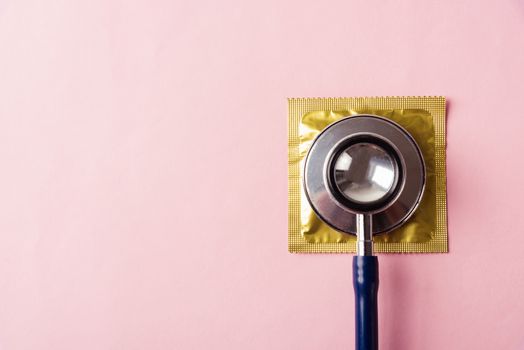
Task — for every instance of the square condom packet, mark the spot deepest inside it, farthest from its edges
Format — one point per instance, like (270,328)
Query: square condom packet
(424,118)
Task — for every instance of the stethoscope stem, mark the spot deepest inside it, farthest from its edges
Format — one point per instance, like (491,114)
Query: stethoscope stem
(364,235)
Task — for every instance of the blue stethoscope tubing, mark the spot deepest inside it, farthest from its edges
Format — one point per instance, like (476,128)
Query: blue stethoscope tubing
(365,283)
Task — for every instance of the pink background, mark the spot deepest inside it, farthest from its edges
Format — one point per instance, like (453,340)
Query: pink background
(143,183)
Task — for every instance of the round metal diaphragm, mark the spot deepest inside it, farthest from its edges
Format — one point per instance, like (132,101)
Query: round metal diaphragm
(364,164)
(365,173)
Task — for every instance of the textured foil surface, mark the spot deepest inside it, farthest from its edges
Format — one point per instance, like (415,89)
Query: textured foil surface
(424,119)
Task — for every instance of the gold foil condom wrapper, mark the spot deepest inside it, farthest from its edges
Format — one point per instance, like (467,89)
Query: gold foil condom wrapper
(425,119)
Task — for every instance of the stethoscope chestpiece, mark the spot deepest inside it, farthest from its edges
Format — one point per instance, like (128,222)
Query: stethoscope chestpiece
(364,165)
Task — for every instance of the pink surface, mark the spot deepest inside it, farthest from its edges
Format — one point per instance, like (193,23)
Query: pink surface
(143,192)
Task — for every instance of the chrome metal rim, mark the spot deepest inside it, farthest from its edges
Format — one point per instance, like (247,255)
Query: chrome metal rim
(341,214)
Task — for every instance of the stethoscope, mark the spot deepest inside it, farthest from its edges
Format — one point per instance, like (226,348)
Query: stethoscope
(364,175)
